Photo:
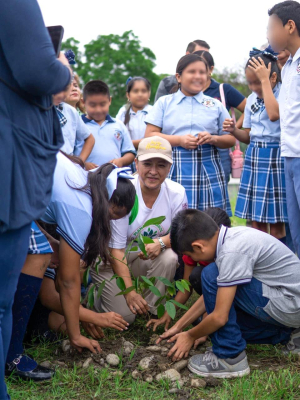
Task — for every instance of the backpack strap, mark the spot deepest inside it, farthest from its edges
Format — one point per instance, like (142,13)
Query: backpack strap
(232,111)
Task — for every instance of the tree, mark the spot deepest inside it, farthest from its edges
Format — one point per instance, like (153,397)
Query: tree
(113,59)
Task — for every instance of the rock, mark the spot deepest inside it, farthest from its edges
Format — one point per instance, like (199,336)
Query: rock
(153,339)
(117,373)
(164,351)
(113,360)
(60,364)
(136,375)
(198,383)
(65,346)
(179,383)
(46,364)
(154,349)
(148,378)
(101,361)
(179,365)
(79,364)
(87,362)
(171,374)
(145,362)
(174,390)
(128,347)
(162,367)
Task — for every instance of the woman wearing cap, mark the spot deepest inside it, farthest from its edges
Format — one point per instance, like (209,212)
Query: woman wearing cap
(156,196)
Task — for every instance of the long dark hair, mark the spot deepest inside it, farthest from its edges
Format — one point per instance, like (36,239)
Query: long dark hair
(128,90)
(183,63)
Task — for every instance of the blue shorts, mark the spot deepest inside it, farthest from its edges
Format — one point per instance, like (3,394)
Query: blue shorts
(38,243)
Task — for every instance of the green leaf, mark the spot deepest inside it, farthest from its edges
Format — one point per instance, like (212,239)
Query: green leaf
(147,240)
(142,245)
(180,287)
(85,278)
(171,310)
(165,281)
(171,290)
(136,284)
(126,291)
(114,277)
(160,310)
(145,279)
(91,297)
(179,304)
(134,248)
(100,289)
(155,291)
(120,283)
(186,284)
(152,279)
(154,221)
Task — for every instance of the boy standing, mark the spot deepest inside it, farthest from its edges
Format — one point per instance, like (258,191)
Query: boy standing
(251,293)
(284,34)
(112,140)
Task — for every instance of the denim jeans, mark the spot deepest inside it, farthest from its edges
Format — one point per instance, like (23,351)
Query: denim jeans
(292,182)
(247,321)
(13,251)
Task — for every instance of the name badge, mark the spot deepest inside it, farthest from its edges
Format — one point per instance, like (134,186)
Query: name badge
(208,103)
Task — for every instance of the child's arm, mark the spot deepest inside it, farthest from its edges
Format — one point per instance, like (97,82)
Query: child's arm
(136,143)
(180,297)
(87,148)
(124,161)
(263,73)
(240,134)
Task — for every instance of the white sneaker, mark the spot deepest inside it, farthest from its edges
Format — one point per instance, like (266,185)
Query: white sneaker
(293,345)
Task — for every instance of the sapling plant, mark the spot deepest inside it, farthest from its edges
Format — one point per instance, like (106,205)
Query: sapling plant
(142,284)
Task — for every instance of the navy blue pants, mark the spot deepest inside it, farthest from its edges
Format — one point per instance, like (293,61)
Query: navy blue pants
(247,321)
(13,251)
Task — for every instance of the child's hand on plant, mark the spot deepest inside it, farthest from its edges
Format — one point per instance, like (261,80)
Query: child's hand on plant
(164,320)
(136,303)
(229,125)
(112,320)
(182,347)
(93,330)
(153,249)
(169,333)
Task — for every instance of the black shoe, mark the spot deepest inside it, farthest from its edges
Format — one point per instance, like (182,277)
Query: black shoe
(26,368)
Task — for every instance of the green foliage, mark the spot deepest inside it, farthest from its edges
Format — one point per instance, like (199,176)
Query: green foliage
(113,58)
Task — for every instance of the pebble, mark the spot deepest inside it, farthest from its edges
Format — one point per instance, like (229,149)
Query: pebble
(155,349)
(198,383)
(174,390)
(145,362)
(162,367)
(117,373)
(179,383)
(46,364)
(136,374)
(148,378)
(87,362)
(153,338)
(101,362)
(66,346)
(60,363)
(179,365)
(113,360)
(171,374)
(128,347)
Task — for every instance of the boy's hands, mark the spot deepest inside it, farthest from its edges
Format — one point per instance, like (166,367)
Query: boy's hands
(93,330)
(136,303)
(164,320)
(169,333)
(229,125)
(259,68)
(182,347)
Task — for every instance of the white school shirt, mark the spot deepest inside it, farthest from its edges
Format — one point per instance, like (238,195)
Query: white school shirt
(69,208)
(74,130)
(289,107)
(171,199)
(136,125)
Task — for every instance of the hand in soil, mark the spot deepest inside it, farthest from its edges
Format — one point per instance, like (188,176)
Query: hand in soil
(84,343)
(112,320)
(136,303)
(199,341)
(164,320)
(93,330)
(169,333)
(182,347)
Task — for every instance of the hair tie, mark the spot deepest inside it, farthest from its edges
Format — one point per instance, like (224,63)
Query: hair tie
(269,52)
(112,179)
(70,55)
(128,80)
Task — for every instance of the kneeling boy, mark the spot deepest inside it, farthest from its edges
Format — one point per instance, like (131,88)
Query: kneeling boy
(251,292)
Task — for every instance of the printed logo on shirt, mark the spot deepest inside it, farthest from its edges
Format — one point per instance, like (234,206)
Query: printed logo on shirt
(118,135)
(185,206)
(208,103)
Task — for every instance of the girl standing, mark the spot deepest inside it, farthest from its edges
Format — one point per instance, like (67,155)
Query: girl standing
(133,115)
(193,124)
(262,196)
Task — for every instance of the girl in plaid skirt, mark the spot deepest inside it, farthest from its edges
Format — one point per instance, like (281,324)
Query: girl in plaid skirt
(262,196)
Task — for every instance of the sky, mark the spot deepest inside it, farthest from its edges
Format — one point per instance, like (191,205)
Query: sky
(231,27)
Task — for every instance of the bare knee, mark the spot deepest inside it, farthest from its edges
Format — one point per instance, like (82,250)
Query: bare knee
(56,322)
(278,230)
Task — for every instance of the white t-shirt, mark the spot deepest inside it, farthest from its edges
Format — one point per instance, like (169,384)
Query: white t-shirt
(171,199)
(74,129)
(136,125)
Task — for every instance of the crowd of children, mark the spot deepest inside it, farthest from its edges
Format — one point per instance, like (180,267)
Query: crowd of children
(248,280)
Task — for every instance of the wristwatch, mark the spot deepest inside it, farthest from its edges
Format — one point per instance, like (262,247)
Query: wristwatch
(162,245)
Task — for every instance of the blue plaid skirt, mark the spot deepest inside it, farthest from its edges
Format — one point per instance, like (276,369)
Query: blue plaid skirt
(201,173)
(38,243)
(262,195)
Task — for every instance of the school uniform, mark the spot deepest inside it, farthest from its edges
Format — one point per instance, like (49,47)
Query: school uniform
(112,140)
(72,126)
(289,107)
(136,125)
(233,98)
(200,171)
(262,193)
